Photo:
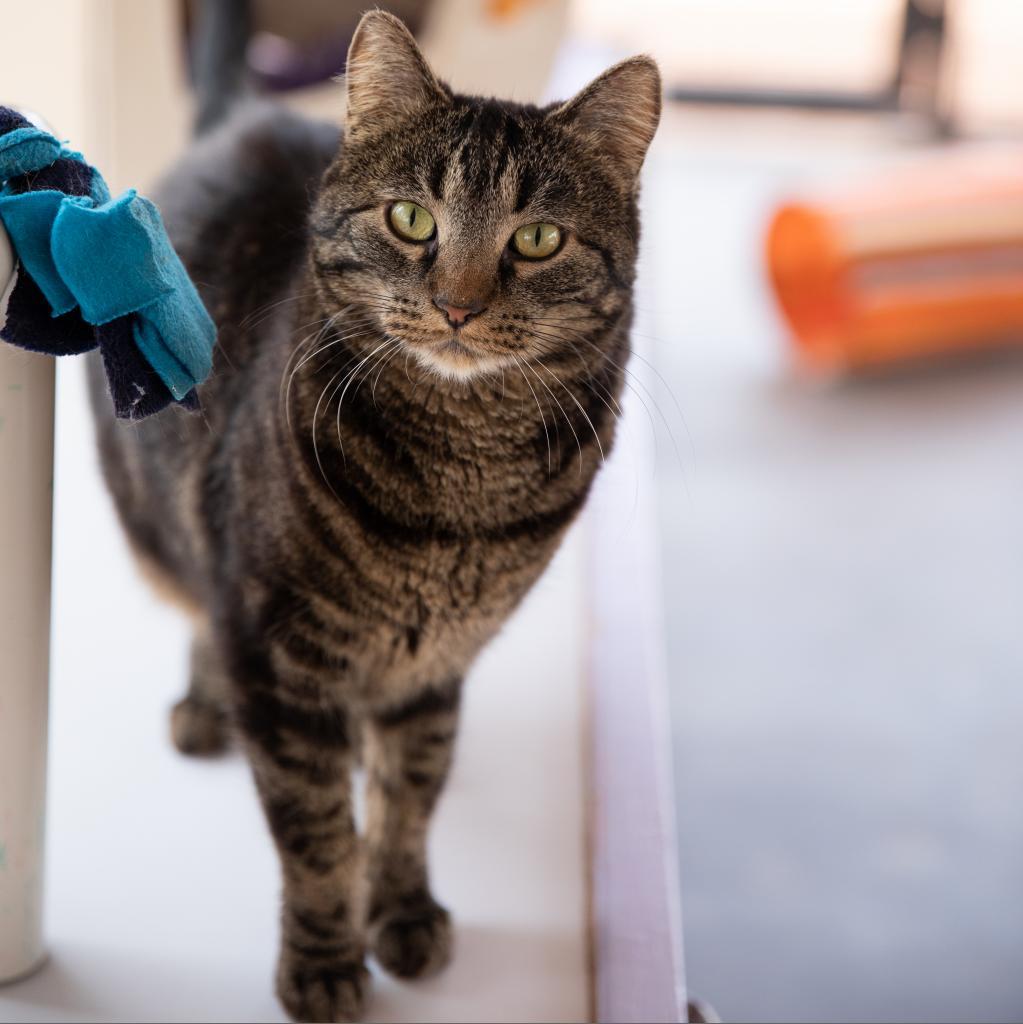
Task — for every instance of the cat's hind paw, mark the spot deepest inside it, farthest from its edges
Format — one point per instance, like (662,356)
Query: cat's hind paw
(413,941)
(198,728)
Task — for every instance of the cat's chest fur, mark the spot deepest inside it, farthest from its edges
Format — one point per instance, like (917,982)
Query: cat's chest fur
(384,532)
(420,531)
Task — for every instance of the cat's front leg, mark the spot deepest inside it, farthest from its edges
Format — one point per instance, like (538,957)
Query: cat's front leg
(408,753)
(301,753)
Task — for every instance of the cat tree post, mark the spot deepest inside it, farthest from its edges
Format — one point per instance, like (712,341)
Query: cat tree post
(26,513)
(69,59)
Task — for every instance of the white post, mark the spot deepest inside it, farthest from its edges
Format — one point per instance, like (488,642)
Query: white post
(58,58)
(26,513)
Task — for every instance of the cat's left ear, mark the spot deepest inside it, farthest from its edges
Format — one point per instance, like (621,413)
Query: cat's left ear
(617,113)
(386,76)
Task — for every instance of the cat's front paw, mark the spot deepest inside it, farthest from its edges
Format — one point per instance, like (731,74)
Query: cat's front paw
(413,940)
(314,990)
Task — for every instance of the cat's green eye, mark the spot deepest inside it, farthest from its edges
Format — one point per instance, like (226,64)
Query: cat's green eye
(535,241)
(411,221)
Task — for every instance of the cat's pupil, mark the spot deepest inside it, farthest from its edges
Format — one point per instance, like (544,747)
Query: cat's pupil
(412,218)
(536,240)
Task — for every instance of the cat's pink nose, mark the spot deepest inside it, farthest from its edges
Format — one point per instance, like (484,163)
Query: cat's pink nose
(457,315)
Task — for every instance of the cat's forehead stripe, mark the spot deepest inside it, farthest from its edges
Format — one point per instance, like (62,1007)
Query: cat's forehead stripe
(486,158)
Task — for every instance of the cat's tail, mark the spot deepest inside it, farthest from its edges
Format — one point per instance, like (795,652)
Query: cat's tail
(220,72)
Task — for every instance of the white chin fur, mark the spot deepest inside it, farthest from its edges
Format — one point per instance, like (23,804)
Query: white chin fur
(449,368)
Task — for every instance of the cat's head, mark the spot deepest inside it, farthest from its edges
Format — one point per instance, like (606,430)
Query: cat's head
(476,232)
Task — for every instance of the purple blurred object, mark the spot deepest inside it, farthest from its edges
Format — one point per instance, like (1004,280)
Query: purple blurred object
(278,64)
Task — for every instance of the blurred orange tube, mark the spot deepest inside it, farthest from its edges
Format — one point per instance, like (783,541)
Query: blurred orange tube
(923,260)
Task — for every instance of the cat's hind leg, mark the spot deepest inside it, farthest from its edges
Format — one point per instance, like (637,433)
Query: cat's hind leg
(199,721)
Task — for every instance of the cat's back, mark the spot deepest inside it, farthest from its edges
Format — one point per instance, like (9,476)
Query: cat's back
(236,209)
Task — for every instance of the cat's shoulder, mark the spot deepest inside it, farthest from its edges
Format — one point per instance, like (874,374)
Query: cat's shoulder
(263,157)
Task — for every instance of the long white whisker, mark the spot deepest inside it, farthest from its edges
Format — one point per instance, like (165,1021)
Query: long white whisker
(616,410)
(639,383)
(310,339)
(354,331)
(262,312)
(543,420)
(349,379)
(316,448)
(586,416)
(383,365)
(571,425)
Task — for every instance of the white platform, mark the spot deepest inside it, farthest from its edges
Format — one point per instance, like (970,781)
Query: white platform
(162,882)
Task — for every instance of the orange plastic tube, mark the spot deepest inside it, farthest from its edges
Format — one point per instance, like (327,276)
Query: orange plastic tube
(921,261)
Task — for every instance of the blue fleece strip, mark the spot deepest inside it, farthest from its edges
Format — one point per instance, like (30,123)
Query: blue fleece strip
(29,219)
(25,150)
(109,258)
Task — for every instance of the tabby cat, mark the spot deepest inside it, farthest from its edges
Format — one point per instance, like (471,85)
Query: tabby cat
(422,328)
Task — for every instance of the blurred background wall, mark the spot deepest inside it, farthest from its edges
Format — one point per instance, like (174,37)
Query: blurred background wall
(842,556)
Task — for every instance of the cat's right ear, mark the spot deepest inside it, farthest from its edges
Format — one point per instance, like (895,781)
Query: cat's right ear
(617,114)
(386,76)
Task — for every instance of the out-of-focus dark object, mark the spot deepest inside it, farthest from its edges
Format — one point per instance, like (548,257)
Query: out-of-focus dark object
(220,41)
(916,263)
(700,1012)
(913,86)
(272,45)
(280,64)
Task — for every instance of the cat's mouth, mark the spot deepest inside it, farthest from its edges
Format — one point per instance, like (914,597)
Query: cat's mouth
(453,348)
(455,356)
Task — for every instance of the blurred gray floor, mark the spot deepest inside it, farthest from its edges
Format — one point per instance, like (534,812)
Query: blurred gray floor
(843,567)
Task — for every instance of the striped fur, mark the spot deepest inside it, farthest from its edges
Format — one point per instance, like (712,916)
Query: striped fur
(363,503)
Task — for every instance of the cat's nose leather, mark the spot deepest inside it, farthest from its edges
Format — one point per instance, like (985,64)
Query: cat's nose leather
(456,314)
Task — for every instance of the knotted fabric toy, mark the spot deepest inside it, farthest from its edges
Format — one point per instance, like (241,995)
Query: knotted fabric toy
(90,270)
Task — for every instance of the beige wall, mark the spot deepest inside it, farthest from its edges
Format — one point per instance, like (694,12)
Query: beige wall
(106,75)
(510,56)
(48,62)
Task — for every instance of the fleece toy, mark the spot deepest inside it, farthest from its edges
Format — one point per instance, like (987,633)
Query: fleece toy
(83,269)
